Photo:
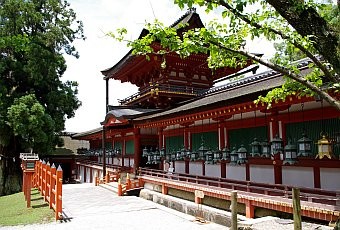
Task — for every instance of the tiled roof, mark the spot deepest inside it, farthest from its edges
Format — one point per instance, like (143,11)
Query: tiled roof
(253,84)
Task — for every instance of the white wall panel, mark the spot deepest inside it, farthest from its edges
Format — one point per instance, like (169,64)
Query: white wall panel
(330,178)
(126,162)
(180,166)
(81,174)
(298,176)
(195,168)
(213,170)
(88,175)
(236,172)
(262,173)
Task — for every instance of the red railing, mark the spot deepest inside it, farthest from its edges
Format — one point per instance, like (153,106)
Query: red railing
(316,203)
(109,177)
(129,184)
(49,182)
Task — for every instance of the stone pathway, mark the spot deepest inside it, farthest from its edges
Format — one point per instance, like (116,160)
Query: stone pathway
(90,207)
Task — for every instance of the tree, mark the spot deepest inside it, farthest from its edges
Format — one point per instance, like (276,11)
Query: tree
(34,102)
(302,25)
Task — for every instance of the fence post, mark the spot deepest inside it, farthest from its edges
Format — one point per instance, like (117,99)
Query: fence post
(43,175)
(233,207)
(59,193)
(40,177)
(107,177)
(296,208)
(128,181)
(52,195)
(120,192)
(48,181)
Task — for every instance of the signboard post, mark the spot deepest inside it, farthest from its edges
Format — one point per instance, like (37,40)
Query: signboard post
(199,195)
(28,168)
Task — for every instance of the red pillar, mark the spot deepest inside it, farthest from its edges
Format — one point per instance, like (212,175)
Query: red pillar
(278,174)
(137,154)
(223,170)
(317,182)
(247,172)
(221,136)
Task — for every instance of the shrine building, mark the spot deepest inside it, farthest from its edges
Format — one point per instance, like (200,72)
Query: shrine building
(179,120)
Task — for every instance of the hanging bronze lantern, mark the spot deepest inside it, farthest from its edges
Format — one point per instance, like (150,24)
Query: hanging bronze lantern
(242,155)
(277,145)
(290,152)
(255,148)
(145,152)
(265,149)
(217,155)
(233,156)
(156,157)
(209,157)
(188,153)
(324,148)
(194,156)
(202,151)
(305,146)
(225,154)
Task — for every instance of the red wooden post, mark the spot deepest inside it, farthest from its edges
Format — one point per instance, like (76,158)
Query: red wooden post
(28,188)
(48,181)
(24,183)
(59,193)
(250,209)
(164,189)
(43,175)
(40,178)
(107,177)
(128,181)
(52,195)
(120,192)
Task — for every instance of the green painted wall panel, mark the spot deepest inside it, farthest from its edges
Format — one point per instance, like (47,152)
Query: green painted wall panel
(313,129)
(174,143)
(129,147)
(210,140)
(118,145)
(245,136)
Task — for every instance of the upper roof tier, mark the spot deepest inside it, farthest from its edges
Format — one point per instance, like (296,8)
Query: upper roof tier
(140,71)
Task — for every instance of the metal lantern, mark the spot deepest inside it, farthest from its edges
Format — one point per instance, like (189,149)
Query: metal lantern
(305,146)
(168,157)
(217,156)
(156,157)
(193,156)
(202,151)
(188,153)
(277,145)
(209,157)
(255,148)
(173,155)
(324,148)
(162,152)
(145,152)
(178,155)
(290,152)
(150,158)
(233,156)
(265,149)
(225,154)
(242,155)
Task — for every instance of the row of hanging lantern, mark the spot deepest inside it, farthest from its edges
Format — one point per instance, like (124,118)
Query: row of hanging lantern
(289,153)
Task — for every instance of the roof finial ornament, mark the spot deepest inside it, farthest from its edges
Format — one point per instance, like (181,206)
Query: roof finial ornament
(191,10)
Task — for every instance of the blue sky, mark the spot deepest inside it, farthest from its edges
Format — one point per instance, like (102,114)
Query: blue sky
(99,52)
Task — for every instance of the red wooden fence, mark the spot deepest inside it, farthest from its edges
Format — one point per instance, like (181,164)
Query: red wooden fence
(49,181)
(130,184)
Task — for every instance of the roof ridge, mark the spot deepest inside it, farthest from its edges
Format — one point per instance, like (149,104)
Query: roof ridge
(189,11)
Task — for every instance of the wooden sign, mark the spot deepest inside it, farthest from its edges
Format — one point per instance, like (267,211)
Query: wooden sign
(199,194)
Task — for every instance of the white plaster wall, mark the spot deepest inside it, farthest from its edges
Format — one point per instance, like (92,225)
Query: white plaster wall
(180,166)
(117,161)
(132,161)
(195,168)
(107,160)
(81,174)
(236,172)
(213,170)
(262,173)
(88,175)
(298,176)
(126,161)
(330,179)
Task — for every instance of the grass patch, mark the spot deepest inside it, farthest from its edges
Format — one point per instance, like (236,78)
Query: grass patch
(13,209)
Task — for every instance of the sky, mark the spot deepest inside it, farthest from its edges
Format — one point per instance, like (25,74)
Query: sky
(99,52)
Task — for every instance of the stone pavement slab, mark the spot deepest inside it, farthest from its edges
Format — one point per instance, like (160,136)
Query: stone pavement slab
(90,207)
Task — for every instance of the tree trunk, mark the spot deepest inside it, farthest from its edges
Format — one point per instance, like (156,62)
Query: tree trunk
(10,176)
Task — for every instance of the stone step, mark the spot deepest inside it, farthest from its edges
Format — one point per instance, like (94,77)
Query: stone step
(112,186)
